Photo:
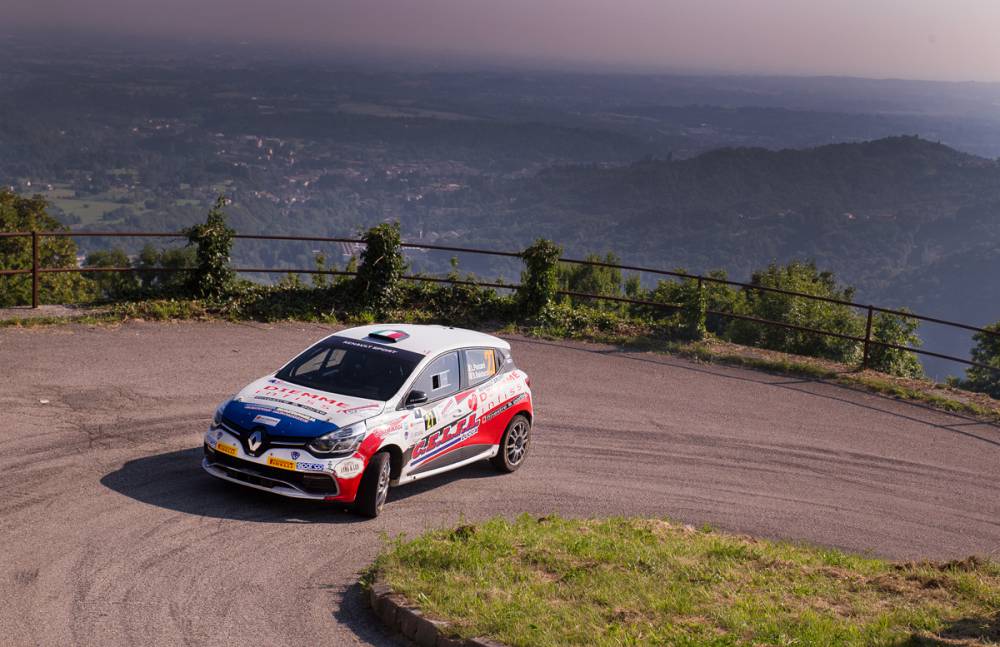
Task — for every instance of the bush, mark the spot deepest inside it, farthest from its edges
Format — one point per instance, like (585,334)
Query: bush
(540,278)
(829,317)
(155,282)
(592,279)
(112,285)
(212,275)
(986,351)
(901,331)
(382,267)
(692,313)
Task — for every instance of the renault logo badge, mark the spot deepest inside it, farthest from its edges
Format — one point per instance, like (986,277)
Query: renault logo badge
(255,440)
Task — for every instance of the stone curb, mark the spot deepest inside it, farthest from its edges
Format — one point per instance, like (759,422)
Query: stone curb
(399,616)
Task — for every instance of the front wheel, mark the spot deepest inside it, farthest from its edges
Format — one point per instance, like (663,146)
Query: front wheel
(513,445)
(374,486)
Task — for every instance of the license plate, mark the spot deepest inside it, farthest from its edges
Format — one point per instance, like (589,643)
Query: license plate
(281,463)
(223,448)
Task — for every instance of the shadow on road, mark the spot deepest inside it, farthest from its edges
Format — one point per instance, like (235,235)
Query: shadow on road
(354,613)
(176,481)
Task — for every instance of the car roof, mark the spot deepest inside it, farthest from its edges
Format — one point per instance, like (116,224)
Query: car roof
(423,339)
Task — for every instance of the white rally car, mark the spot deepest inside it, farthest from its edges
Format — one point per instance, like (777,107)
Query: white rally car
(371,407)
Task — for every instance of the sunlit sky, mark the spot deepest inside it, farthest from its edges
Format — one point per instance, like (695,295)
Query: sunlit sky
(919,39)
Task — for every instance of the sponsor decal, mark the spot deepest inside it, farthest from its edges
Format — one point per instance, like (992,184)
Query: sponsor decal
(295,455)
(258,407)
(301,417)
(303,466)
(444,439)
(298,404)
(376,347)
(281,463)
(225,448)
(267,420)
(361,408)
(392,427)
(218,435)
(297,394)
(314,403)
(349,468)
(503,407)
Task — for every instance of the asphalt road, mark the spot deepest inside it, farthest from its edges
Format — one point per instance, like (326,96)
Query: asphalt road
(111,534)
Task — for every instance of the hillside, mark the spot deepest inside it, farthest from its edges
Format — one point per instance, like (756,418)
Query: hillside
(873,211)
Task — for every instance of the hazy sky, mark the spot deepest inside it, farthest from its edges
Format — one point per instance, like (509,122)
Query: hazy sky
(926,39)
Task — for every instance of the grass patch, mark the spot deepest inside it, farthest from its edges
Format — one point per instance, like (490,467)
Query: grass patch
(620,581)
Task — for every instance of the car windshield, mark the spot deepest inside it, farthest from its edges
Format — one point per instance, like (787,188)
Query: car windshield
(352,367)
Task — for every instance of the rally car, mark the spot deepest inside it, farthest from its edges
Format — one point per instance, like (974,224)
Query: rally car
(372,407)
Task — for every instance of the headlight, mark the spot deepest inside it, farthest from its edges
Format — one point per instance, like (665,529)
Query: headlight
(341,442)
(217,418)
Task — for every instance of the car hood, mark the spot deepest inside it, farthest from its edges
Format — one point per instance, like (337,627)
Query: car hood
(294,411)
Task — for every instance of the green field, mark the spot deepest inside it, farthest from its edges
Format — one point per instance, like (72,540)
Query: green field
(553,581)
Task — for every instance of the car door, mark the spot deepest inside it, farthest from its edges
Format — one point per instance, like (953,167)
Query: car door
(441,380)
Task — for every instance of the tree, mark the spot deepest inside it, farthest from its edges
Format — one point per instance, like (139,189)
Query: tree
(540,278)
(986,351)
(19,214)
(212,275)
(808,313)
(382,266)
(592,279)
(172,278)
(900,331)
(112,285)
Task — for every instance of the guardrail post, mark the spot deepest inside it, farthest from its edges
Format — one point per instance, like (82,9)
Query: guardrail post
(34,269)
(868,338)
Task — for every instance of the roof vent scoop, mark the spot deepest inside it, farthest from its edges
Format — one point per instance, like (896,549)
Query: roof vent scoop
(388,336)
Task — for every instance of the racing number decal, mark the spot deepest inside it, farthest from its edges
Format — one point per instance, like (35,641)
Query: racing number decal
(429,420)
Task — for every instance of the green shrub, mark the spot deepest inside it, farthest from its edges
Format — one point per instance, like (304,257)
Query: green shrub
(172,280)
(113,286)
(540,278)
(985,351)
(377,283)
(213,239)
(592,279)
(692,313)
(901,331)
(821,315)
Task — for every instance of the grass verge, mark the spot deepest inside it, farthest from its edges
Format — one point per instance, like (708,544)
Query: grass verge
(625,581)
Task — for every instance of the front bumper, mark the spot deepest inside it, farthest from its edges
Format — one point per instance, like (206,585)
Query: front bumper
(280,471)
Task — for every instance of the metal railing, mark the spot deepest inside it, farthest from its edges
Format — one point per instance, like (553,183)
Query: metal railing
(867,341)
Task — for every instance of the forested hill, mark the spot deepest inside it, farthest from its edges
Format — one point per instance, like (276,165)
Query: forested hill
(871,211)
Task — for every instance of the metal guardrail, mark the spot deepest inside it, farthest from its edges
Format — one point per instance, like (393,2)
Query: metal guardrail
(867,341)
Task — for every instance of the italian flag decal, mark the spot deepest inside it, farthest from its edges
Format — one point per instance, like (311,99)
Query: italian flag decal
(389,335)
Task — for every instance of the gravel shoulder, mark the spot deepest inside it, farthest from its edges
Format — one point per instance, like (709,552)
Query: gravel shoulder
(113,535)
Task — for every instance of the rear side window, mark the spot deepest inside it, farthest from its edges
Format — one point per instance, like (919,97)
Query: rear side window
(440,378)
(480,365)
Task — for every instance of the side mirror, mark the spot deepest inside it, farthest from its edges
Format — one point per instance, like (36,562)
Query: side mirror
(415,397)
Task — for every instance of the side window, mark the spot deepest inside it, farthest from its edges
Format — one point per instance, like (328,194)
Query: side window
(480,365)
(440,378)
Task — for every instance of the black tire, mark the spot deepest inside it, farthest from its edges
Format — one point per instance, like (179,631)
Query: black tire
(374,486)
(514,444)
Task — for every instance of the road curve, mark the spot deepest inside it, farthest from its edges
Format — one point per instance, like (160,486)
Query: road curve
(112,535)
